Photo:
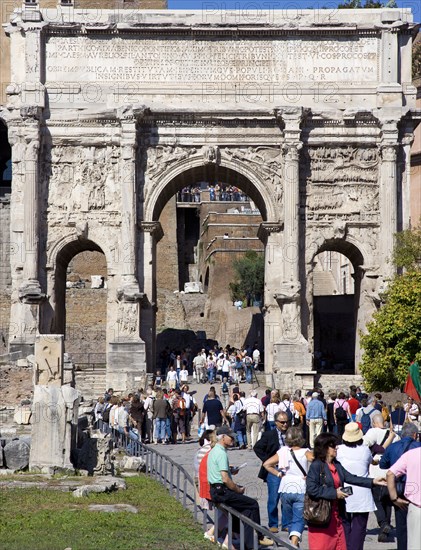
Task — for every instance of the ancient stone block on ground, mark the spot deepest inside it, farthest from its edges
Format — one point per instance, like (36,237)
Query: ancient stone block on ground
(16,455)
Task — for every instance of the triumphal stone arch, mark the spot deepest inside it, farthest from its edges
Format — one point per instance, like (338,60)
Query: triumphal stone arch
(110,113)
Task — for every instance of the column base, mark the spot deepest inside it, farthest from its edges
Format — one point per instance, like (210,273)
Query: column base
(291,381)
(126,365)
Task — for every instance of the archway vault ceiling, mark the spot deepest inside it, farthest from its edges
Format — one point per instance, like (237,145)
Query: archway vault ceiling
(70,250)
(211,173)
(343,247)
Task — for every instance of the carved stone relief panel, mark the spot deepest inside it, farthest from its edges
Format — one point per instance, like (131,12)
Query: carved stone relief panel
(341,182)
(160,158)
(82,179)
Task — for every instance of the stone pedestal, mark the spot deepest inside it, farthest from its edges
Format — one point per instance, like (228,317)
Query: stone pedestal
(49,350)
(54,428)
(126,369)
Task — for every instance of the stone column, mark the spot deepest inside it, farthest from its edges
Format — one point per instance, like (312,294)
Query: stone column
(407,142)
(31,206)
(270,233)
(151,234)
(27,296)
(128,206)
(388,196)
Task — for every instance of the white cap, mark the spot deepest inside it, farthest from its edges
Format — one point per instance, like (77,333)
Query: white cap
(314,394)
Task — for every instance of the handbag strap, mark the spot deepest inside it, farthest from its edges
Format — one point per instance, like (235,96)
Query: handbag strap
(385,437)
(298,463)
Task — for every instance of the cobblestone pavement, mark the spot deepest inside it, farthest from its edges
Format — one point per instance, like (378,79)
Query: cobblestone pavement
(184,453)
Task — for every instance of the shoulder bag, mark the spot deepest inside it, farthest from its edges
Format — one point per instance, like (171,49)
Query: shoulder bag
(317,512)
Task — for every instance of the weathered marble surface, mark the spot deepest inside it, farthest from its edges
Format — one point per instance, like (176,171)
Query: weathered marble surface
(311,111)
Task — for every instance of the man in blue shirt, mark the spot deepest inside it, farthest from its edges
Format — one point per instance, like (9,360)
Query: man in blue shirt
(315,417)
(392,454)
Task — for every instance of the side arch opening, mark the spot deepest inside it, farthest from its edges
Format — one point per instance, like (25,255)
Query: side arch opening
(336,297)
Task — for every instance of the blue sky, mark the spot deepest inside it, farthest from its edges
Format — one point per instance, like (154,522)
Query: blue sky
(273,4)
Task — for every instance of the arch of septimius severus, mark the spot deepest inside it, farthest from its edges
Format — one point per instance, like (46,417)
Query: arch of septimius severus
(109,113)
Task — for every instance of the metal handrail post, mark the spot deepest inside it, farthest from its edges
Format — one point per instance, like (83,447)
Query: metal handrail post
(184,492)
(172,479)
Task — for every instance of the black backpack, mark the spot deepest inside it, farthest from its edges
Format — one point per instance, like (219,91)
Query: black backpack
(289,413)
(106,414)
(341,415)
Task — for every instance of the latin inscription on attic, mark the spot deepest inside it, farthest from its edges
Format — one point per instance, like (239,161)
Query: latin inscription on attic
(296,59)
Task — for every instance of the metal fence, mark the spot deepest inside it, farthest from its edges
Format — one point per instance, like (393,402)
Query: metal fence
(88,360)
(181,485)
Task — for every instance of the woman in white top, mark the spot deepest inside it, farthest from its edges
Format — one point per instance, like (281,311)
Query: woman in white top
(293,462)
(271,410)
(356,458)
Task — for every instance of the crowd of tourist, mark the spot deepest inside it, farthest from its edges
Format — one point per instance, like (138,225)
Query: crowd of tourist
(155,415)
(338,450)
(209,365)
(217,192)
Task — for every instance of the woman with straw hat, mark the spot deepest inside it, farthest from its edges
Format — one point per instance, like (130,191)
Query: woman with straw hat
(356,458)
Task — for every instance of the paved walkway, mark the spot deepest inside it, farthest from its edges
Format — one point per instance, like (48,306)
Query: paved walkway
(184,453)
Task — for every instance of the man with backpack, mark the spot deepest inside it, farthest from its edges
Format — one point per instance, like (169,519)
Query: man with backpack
(179,408)
(287,406)
(365,414)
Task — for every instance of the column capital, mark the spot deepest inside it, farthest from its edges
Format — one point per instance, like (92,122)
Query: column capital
(267,228)
(389,151)
(291,148)
(289,292)
(129,115)
(154,228)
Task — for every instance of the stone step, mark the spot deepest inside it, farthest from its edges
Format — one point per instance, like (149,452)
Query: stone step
(90,382)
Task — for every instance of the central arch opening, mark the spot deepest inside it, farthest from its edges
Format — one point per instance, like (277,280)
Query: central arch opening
(210,216)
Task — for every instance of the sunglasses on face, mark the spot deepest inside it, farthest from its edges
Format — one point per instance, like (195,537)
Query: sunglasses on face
(282,421)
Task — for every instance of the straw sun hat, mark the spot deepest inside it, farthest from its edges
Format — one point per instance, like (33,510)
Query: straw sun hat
(352,433)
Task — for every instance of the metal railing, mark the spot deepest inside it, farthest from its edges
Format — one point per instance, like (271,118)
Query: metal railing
(90,360)
(181,485)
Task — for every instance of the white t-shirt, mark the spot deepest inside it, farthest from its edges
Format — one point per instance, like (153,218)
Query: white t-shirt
(357,461)
(376,435)
(293,481)
(226,365)
(285,405)
(252,405)
(271,410)
(184,375)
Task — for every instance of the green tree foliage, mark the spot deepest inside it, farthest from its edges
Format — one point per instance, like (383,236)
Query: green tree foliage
(393,340)
(249,278)
(407,252)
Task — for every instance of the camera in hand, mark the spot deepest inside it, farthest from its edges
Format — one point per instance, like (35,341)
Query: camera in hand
(347,490)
